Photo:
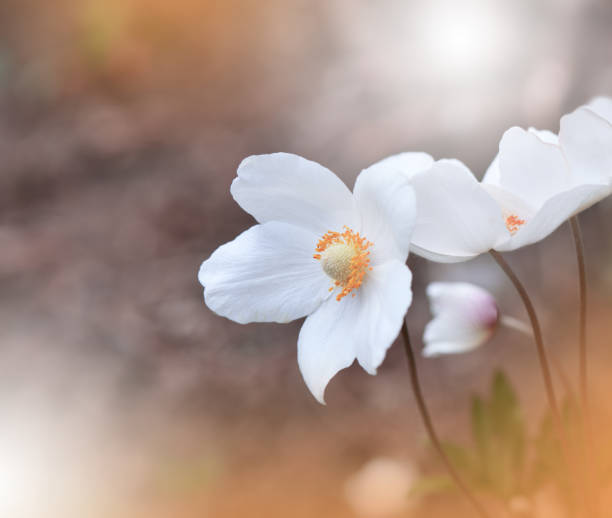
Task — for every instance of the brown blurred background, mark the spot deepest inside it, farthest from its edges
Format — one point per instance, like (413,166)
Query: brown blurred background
(122,124)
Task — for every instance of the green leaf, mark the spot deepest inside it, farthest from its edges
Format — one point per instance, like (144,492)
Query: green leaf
(504,403)
(432,485)
(496,461)
(482,434)
(499,436)
(481,426)
(460,457)
(509,428)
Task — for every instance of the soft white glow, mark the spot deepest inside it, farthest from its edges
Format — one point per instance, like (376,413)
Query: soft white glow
(464,38)
(25,477)
(381,488)
(40,466)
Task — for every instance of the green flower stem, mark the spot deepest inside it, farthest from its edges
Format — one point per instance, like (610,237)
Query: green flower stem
(577,235)
(433,436)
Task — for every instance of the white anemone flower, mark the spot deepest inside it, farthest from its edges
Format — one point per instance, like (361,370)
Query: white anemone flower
(465,316)
(319,251)
(537,181)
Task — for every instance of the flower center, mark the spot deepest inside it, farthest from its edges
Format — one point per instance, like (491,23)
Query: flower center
(345,258)
(514,223)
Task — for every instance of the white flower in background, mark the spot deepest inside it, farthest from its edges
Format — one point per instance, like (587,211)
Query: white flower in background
(381,487)
(465,316)
(537,181)
(318,251)
(540,180)
(586,139)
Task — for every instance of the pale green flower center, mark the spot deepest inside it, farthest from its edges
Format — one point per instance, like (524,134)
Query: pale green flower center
(336,261)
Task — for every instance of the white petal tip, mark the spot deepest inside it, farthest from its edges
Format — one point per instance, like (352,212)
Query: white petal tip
(320,397)
(202,274)
(427,352)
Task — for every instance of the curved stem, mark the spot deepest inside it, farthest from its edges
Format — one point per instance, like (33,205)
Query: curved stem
(537,334)
(433,436)
(516,324)
(587,430)
(577,235)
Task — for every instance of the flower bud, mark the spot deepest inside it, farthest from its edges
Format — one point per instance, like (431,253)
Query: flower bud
(464,317)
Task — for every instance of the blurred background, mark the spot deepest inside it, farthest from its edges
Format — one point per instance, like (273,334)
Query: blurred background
(122,124)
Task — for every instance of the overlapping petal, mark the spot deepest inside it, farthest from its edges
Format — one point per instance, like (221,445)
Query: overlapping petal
(530,167)
(493,174)
(407,164)
(586,139)
(602,106)
(289,188)
(456,218)
(266,274)
(386,203)
(545,136)
(363,327)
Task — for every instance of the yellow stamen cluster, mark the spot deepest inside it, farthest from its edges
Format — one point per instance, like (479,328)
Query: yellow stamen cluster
(345,258)
(513,223)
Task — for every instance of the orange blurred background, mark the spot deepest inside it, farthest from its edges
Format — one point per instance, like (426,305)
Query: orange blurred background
(122,126)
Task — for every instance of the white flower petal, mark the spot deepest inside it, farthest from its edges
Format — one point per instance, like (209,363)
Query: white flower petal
(586,139)
(462,298)
(361,327)
(465,316)
(449,335)
(409,163)
(493,173)
(266,274)
(530,167)
(387,205)
(545,136)
(456,218)
(289,188)
(602,106)
(510,203)
(386,297)
(553,213)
